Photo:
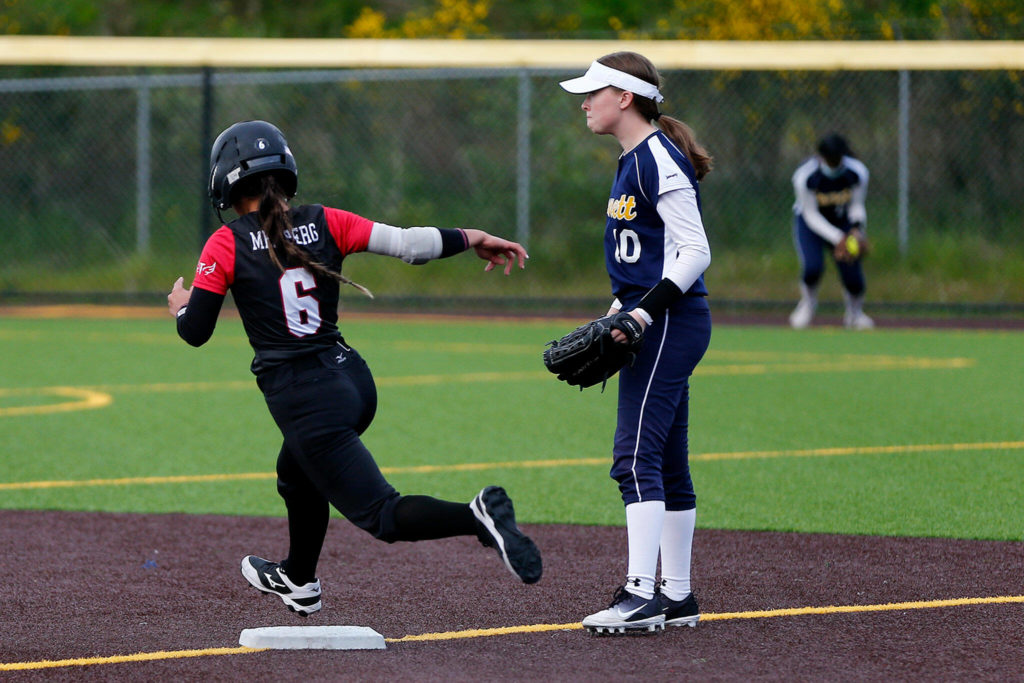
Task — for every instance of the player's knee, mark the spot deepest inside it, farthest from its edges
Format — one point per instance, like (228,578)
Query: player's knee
(811,276)
(296,491)
(378,520)
(854,286)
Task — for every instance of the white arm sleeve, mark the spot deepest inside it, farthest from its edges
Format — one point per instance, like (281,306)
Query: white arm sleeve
(413,245)
(808,204)
(687,253)
(857,211)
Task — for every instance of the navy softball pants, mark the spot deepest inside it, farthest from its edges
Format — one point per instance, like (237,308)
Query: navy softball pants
(811,249)
(651,457)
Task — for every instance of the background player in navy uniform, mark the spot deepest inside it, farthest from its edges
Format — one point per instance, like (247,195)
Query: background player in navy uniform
(656,252)
(830,192)
(283,266)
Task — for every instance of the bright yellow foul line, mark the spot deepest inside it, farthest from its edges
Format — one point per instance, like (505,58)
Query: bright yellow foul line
(527,628)
(761,614)
(120,659)
(527,464)
(849,609)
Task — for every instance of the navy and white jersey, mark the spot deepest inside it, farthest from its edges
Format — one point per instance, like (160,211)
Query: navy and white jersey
(831,205)
(640,248)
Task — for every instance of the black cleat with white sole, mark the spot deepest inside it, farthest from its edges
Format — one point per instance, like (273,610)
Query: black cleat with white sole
(496,528)
(269,577)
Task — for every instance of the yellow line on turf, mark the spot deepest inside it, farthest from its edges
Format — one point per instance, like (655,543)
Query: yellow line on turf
(91,397)
(409,380)
(862,450)
(526,464)
(134,481)
(528,628)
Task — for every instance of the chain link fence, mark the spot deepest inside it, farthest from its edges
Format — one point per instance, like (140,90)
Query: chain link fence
(104,176)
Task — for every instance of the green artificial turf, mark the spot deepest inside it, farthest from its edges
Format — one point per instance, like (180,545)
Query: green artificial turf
(891,432)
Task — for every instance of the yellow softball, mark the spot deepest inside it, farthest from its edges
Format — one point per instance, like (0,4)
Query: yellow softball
(852,246)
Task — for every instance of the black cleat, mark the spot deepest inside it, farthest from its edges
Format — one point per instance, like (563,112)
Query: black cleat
(496,528)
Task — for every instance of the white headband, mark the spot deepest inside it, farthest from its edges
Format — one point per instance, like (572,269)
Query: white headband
(600,76)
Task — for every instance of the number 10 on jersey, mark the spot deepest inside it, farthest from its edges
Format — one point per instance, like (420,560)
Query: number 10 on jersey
(627,246)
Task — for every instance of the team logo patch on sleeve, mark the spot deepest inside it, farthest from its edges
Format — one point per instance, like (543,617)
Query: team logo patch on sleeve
(203,269)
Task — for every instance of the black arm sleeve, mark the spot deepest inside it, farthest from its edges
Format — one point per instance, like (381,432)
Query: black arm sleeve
(660,297)
(197,320)
(453,241)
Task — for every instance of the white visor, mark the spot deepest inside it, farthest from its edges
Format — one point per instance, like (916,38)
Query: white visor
(600,76)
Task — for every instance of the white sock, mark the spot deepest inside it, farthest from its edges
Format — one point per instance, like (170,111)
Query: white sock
(809,294)
(854,304)
(643,529)
(676,547)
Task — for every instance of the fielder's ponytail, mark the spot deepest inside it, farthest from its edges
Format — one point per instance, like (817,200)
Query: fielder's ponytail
(677,131)
(683,136)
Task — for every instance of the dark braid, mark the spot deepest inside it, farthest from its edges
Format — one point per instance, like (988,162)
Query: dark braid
(275,219)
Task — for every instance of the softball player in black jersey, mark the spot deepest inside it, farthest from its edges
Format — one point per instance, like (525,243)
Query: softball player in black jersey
(830,191)
(656,252)
(283,267)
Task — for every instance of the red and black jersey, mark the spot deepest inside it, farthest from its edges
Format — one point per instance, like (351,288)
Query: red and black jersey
(291,313)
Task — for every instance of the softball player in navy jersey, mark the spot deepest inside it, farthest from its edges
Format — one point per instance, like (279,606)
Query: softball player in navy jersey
(656,252)
(830,191)
(283,267)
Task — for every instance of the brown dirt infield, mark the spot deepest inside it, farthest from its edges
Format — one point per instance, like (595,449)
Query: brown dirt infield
(81,585)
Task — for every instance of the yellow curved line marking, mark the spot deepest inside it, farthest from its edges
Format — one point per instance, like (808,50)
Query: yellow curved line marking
(80,398)
(528,628)
(524,464)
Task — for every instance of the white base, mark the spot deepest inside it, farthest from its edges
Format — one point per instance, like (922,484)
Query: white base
(312,638)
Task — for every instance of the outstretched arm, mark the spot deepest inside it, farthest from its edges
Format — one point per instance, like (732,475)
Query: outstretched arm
(418,245)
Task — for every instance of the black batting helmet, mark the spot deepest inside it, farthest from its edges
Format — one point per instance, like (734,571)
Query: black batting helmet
(245,149)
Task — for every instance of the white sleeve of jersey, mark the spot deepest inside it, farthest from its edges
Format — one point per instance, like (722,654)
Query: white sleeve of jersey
(807,206)
(857,210)
(687,253)
(413,245)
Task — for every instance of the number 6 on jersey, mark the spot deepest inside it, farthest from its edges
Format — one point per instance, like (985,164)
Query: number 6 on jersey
(301,307)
